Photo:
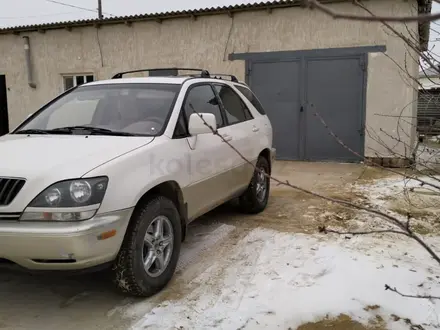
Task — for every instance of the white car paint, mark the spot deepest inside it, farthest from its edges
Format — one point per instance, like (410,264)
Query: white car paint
(45,159)
(134,165)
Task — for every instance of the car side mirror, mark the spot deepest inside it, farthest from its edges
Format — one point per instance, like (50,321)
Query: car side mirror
(197,125)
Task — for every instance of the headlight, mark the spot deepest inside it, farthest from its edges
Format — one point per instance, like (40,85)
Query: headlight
(72,200)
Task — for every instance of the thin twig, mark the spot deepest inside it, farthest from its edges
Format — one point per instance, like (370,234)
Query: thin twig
(414,46)
(402,19)
(325,230)
(392,220)
(366,160)
(387,287)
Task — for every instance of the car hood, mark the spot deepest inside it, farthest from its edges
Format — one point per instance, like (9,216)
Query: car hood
(60,157)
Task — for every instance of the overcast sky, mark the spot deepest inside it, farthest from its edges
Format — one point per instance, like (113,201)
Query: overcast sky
(20,12)
(24,12)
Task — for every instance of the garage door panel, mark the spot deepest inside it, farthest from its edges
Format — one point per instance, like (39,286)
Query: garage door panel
(334,89)
(277,85)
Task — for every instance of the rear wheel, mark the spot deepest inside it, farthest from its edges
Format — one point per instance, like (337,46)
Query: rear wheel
(150,251)
(255,198)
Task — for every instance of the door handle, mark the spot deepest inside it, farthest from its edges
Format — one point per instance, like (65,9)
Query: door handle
(301,109)
(226,137)
(255,129)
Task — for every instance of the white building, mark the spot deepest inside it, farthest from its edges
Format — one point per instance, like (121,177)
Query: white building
(428,113)
(298,61)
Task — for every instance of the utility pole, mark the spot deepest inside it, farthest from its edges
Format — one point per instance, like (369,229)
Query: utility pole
(100,9)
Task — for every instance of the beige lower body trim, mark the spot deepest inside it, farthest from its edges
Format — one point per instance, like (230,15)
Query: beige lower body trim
(203,196)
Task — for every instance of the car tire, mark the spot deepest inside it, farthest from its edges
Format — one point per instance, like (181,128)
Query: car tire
(252,201)
(137,270)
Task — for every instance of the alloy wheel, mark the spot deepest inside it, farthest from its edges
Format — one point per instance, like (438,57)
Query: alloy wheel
(158,246)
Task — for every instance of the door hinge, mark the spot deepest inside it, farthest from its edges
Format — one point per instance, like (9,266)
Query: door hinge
(361,131)
(363,65)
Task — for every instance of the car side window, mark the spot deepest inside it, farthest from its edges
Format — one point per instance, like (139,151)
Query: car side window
(236,110)
(202,99)
(252,98)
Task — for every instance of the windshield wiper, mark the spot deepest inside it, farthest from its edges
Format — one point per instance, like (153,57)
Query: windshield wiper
(32,131)
(91,129)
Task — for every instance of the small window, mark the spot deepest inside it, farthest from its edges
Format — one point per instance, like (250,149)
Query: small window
(236,110)
(252,98)
(181,130)
(202,99)
(76,80)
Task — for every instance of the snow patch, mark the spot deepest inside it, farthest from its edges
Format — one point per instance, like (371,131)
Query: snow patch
(282,280)
(397,196)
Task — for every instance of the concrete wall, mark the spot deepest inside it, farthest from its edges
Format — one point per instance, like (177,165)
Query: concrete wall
(206,42)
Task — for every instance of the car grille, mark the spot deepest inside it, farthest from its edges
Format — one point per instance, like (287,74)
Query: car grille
(9,188)
(10,216)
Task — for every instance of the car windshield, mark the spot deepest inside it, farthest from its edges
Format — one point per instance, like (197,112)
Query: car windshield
(133,109)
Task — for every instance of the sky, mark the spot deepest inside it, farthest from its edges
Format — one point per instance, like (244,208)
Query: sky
(26,12)
(21,12)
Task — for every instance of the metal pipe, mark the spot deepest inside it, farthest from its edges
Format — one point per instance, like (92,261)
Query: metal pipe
(27,52)
(100,9)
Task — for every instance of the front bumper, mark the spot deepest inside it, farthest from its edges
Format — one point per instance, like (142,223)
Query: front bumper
(64,246)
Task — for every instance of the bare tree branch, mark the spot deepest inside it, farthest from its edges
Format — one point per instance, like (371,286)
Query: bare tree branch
(412,44)
(387,287)
(389,218)
(325,9)
(312,4)
(325,230)
(366,160)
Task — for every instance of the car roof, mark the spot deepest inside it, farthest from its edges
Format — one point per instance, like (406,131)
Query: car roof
(163,80)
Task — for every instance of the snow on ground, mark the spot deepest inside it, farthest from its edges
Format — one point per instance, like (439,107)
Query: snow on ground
(398,196)
(280,280)
(276,280)
(381,192)
(379,189)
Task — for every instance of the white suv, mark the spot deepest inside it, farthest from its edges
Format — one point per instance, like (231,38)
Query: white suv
(110,173)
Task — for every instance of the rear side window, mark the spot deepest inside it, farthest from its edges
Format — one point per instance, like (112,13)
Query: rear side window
(252,98)
(236,110)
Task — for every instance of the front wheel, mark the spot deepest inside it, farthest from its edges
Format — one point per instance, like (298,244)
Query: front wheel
(255,198)
(150,251)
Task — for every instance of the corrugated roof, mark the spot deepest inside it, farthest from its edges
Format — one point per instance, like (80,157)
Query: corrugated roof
(424,7)
(429,72)
(159,15)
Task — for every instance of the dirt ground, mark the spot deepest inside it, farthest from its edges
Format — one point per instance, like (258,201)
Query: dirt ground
(89,302)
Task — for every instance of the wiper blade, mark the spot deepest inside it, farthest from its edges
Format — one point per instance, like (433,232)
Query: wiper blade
(81,128)
(91,129)
(32,131)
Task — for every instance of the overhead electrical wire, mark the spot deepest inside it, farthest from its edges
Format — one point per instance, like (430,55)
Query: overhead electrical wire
(77,7)
(36,16)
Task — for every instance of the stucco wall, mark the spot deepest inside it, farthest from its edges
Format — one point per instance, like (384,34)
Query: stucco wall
(206,42)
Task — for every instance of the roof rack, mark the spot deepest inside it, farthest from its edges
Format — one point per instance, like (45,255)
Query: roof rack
(220,75)
(202,73)
(169,72)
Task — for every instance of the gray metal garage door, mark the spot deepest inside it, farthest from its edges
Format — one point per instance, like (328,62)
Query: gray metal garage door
(280,95)
(292,92)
